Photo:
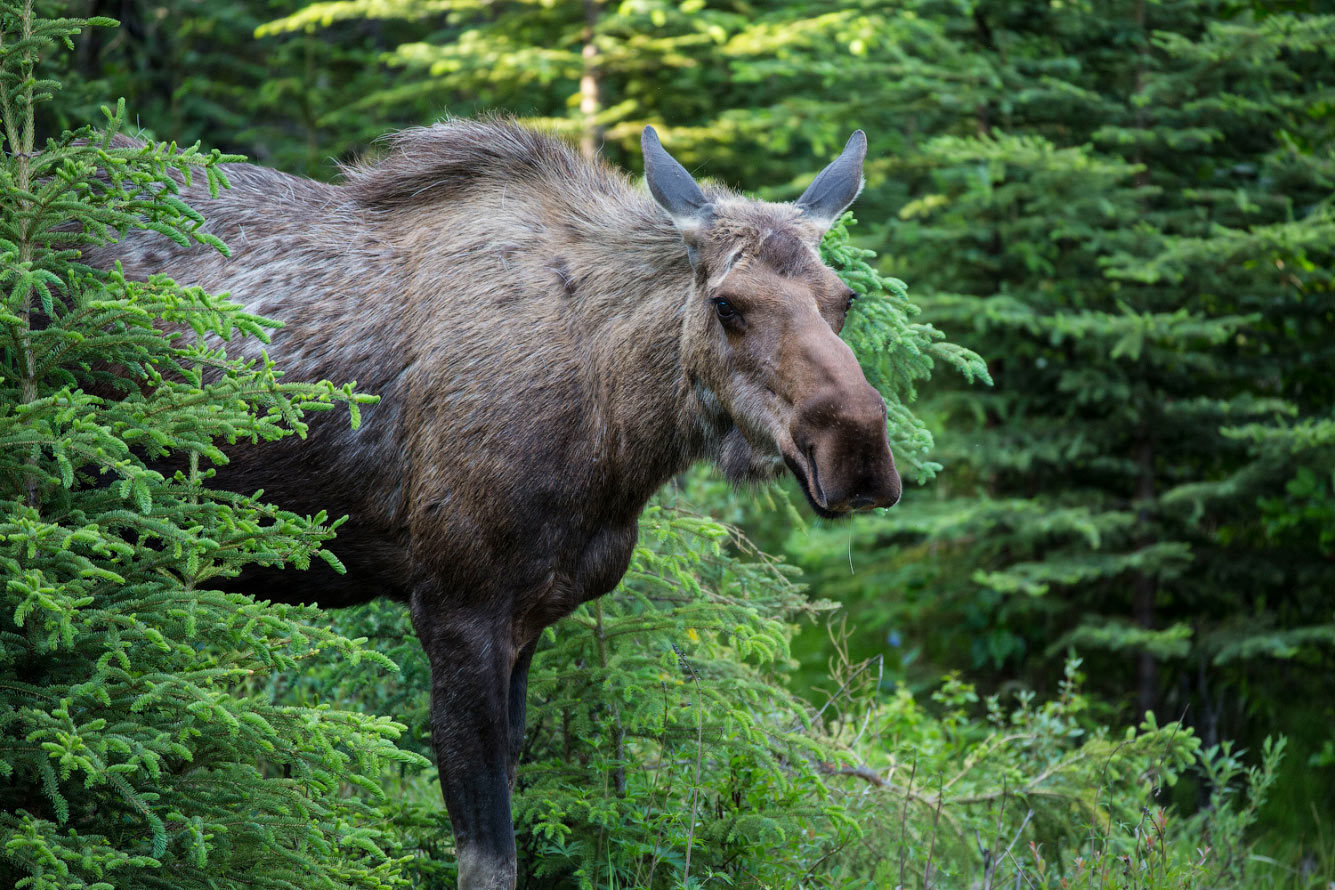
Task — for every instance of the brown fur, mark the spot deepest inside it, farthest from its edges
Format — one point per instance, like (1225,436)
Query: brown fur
(546,356)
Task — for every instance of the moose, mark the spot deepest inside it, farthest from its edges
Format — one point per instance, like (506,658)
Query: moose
(550,344)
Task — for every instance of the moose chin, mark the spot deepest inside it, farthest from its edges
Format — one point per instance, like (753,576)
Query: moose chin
(551,342)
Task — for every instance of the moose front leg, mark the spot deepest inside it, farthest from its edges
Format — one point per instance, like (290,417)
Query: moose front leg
(519,705)
(471,665)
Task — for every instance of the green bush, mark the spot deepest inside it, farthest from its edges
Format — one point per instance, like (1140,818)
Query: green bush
(660,724)
(129,754)
(969,791)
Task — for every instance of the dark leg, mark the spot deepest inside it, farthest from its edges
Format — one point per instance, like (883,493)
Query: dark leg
(519,705)
(471,666)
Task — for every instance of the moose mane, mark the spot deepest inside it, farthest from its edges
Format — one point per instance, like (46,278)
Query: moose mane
(453,157)
(462,160)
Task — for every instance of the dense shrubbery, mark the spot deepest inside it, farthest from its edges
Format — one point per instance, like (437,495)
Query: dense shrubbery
(1132,218)
(685,742)
(130,755)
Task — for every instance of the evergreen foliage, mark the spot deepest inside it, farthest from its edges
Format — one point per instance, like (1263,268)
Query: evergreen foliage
(195,72)
(664,751)
(723,79)
(1035,794)
(760,94)
(1129,215)
(895,352)
(129,754)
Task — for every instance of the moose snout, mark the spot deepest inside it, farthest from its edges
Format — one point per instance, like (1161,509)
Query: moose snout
(849,465)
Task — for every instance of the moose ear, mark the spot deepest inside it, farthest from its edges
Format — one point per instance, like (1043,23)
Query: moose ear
(674,189)
(834,189)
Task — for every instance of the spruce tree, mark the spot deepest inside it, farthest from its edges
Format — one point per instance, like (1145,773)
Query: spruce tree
(756,94)
(1128,213)
(192,71)
(134,750)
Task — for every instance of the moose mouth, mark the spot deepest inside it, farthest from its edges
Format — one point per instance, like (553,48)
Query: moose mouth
(808,478)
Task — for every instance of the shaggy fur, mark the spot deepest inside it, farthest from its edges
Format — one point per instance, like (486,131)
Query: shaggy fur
(547,356)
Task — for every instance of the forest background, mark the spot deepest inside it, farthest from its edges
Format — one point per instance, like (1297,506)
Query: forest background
(1127,209)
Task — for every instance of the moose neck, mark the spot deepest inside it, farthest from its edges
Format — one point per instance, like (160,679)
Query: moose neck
(652,413)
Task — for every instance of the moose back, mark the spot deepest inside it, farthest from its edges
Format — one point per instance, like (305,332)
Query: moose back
(551,343)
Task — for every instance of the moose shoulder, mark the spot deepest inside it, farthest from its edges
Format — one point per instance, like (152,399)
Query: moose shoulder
(550,344)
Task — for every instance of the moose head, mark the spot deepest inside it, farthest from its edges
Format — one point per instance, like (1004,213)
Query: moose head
(761,336)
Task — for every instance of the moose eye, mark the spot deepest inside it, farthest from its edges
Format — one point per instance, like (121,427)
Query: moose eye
(726,311)
(852,295)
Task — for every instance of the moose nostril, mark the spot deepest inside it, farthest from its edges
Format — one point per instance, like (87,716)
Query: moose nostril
(861,503)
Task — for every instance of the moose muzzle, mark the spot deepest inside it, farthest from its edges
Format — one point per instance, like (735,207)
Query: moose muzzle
(843,458)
